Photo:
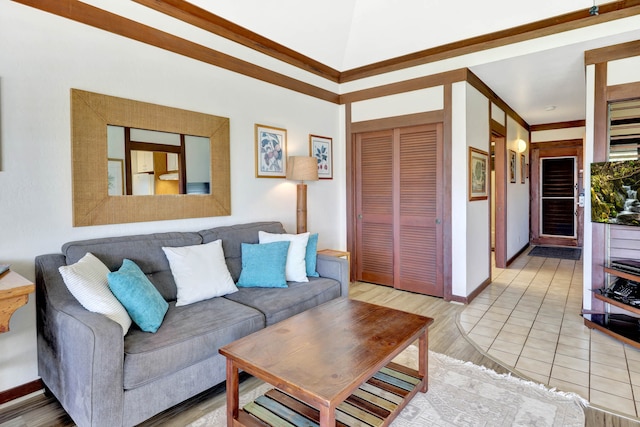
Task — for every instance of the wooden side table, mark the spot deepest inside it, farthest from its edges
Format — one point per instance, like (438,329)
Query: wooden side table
(14,293)
(338,254)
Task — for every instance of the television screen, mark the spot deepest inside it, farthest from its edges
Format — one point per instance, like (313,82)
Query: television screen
(614,192)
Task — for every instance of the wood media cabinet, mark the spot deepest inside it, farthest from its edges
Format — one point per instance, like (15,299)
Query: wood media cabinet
(622,327)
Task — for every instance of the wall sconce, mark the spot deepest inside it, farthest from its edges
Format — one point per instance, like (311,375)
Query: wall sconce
(522,146)
(301,168)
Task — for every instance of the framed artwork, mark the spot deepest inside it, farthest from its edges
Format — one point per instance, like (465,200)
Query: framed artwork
(478,166)
(523,168)
(271,152)
(115,170)
(512,166)
(321,147)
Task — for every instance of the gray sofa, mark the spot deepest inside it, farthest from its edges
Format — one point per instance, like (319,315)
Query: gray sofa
(104,379)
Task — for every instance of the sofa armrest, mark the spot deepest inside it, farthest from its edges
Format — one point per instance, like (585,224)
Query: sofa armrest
(334,268)
(80,353)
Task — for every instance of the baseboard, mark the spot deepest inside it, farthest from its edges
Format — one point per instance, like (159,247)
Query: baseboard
(458,298)
(520,252)
(21,390)
(472,295)
(487,282)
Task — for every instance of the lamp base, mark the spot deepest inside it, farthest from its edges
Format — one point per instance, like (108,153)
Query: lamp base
(301,209)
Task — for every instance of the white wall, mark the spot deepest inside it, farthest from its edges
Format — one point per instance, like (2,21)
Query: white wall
(498,114)
(417,101)
(478,252)
(558,134)
(623,71)
(42,57)
(517,193)
(459,189)
(587,253)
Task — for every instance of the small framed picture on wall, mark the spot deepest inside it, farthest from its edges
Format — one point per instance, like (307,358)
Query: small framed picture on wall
(321,147)
(512,166)
(271,152)
(478,166)
(523,168)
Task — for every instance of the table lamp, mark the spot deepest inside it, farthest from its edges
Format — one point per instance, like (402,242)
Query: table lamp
(301,168)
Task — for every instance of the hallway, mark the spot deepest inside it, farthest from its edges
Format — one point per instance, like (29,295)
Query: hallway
(529,320)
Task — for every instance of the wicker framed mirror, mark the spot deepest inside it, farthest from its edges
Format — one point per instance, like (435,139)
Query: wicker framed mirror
(91,113)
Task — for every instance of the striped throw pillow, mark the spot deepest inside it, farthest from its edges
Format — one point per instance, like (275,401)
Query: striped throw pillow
(87,282)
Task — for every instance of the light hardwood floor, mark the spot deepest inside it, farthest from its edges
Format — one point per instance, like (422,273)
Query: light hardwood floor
(444,337)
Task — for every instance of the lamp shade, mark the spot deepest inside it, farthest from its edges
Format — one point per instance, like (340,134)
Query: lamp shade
(302,168)
(522,146)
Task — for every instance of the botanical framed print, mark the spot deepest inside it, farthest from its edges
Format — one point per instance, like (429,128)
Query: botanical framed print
(478,166)
(512,166)
(271,152)
(115,169)
(523,168)
(321,147)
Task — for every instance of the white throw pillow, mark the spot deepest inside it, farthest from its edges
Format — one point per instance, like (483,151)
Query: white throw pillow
(87,282)
(200,272)
(296,269)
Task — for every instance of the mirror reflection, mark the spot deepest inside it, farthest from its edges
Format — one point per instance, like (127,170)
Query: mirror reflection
(146,162)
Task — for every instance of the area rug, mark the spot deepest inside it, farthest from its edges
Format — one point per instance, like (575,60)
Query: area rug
(556,252)
(464,394)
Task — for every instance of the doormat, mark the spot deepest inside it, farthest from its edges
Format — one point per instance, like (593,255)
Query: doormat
(556,252)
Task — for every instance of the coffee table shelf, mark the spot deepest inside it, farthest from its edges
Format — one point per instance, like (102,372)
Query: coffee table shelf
(376,403)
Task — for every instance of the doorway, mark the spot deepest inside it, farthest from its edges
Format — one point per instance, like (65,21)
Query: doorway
(557,215)
(558,194)
(399,207)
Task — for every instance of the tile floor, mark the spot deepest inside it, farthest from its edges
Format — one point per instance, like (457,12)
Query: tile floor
(529,320)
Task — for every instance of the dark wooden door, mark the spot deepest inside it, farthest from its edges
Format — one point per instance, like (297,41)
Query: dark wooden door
(374,200)
(399,208)
(558,197)
(556,216)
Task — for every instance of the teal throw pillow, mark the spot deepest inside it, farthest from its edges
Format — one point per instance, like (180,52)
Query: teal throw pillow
(139,297)
(310,256)
(263,265)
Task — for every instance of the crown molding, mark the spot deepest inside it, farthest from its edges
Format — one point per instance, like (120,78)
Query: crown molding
(215,24)
(558,125)
(86,14)
(545,27)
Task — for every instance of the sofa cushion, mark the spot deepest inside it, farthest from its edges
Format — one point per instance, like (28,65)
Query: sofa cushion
(232,238)
(296,269)
(87,282)
(311,256)
(145,250)
(189,334)
(200,272)
(263,265)
(137,294)
(280,303)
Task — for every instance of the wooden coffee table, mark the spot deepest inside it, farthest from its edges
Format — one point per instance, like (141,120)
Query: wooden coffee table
(323,355)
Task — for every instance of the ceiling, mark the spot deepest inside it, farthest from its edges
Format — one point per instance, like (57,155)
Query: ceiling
(346,34)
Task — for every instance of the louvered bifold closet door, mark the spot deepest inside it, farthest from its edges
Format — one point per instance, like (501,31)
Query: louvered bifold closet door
(374,200)
(416,210)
